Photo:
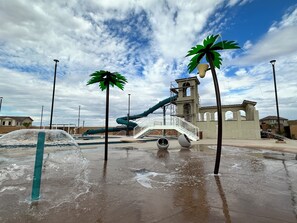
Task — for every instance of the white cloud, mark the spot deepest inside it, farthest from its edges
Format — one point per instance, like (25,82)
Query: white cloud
(172,24)
(83,38)
(33,33)
(279,41)
(288,20)
(247,45)
(256,84)
(232,3)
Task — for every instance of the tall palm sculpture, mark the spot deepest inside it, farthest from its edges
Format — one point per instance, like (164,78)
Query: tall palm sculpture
(106,79)
(208,50)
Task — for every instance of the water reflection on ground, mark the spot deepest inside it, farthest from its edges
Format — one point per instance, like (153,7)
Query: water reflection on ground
(150,185)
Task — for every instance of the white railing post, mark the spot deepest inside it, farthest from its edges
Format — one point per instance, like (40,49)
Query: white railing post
(175,122)
(189,127)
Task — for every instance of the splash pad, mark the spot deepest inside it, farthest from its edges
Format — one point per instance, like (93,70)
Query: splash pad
(137,185)
(28,138)
(64,171)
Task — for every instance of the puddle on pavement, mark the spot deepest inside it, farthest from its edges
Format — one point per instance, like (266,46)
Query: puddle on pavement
(136,185)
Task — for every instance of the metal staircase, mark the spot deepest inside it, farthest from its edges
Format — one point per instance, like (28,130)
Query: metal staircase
(174,122)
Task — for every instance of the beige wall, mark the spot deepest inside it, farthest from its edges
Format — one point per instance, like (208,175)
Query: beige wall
(205,117)
(232,129)
(27,120)
(14,122)
(6,121)
(7,129)
(293,129)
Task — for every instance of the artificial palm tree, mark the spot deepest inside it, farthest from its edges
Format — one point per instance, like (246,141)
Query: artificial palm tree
(208,50)
(106,79)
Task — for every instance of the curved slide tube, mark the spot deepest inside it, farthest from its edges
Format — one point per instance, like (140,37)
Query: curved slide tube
(131,125)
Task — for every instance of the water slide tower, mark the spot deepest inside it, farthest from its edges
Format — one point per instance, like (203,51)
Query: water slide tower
(187,103)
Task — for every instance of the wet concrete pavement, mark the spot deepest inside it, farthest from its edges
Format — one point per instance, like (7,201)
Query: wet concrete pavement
(141,184)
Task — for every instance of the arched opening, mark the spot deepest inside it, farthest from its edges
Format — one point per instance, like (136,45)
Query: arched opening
(229,116)
(215,116)
(242,115)
(187,112)
(186,89)
(206,116)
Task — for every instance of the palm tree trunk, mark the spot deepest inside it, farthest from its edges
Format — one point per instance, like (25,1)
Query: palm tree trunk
(106,122)
(219,110)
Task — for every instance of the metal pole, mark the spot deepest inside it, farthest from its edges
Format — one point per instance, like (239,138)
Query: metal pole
(53,97)
(1,102)
(78,121)
(275,91)
(164,120)
(35,195)
(41,116)
(219,110)
(106,123)
(128,115)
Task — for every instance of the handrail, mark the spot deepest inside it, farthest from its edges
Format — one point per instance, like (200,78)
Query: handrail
(173,121)
(187,125)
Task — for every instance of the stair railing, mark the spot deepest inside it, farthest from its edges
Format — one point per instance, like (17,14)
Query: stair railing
(172,121)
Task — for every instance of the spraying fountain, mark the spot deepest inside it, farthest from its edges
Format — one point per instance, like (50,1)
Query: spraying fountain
(64,170)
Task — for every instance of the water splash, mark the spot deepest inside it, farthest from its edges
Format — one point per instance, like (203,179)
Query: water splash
(65,171)
(152,179)
(28,138)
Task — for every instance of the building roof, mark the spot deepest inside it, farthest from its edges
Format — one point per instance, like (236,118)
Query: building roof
(17,118)
(243,104)
(188,78)
(271,117)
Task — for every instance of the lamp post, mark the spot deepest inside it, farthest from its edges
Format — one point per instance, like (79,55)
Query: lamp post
(53,97)
(128,115)
(78,121)
(1,98)
(275,90)
(41,116)
(164,120)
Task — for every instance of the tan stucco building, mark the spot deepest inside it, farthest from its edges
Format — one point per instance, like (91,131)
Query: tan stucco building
(293,128)
(12,123)
(14,120)
(240,121)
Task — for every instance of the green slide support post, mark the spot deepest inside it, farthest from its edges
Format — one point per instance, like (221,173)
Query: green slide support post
(38,167)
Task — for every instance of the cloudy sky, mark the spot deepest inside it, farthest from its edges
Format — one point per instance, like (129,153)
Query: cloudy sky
(146,41)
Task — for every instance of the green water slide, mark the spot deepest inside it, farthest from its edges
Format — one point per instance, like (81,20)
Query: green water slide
(130,124)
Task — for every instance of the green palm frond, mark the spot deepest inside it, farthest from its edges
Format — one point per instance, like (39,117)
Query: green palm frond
(120,85)
(209,41)
(216,59)
(105,78)
(225,45)
(209,48)
(118,80)
(102,85)
(97,77)
(194,50)
(195,61)
(121,78)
